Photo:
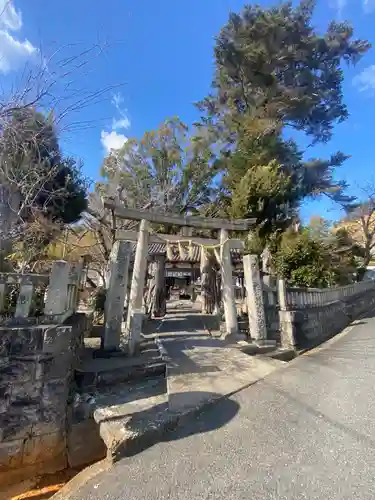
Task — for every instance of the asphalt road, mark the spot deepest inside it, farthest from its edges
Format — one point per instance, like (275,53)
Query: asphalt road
(305,432)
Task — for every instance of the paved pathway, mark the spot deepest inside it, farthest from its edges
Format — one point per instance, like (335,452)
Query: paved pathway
(200,369)
(200,366)
(307,431)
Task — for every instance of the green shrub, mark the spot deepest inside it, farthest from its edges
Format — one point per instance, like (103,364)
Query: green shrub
(304,261)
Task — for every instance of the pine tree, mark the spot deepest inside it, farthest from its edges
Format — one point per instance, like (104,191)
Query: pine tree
(275,72)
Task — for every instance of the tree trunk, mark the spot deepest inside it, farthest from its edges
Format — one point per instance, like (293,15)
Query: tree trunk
(160,300)
(208,283)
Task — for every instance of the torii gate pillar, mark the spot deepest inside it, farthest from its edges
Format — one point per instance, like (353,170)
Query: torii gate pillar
(229,301)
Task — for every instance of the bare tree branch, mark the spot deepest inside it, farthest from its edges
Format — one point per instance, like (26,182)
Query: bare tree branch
(360,222)
(55,83)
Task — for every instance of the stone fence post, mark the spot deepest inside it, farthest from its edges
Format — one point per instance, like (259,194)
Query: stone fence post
(254,297)
(3,294)
(58,291)
(25,298)
(287,319)
(116,293)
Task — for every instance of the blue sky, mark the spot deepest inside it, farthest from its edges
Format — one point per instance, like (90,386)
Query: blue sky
(158,60)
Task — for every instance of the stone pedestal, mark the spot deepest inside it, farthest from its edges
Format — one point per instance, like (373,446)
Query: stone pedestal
(114,306)
(254,297)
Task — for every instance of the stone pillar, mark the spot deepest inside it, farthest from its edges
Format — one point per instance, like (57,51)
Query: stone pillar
(25,298)
(192,284)
(149,297)
(57,293)
(287,318)
(254,298)
(3,295)
(160,304)
(269,286)
(137,287)
(115,299)
(207,283)
(230,311)
(218,298)
(135,329)
(74,288)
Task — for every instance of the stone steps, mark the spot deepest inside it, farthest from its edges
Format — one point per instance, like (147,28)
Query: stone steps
(109,386)
(132,407)
(200,371)
(97,377)
(132,420)
(125,415)
(101,369)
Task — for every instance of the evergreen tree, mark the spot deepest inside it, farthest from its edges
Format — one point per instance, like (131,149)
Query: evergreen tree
(167,168)
(32,164)
(275,72)
(273,58)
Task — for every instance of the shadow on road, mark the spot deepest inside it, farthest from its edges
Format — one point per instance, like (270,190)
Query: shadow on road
(200,424)
(145,428)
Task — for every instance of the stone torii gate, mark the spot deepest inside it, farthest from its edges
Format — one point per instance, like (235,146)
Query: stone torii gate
(120,258)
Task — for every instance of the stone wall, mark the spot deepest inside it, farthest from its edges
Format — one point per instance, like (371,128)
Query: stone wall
(36,373)
(309,316)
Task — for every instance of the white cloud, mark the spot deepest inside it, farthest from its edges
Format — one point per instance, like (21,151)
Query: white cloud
(121,123)
(10,19)
(365,81)
(117,100)
(13,52)
(112,140)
